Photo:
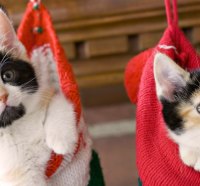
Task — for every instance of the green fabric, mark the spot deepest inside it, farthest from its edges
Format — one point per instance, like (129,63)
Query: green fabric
(96,175)
(139,182)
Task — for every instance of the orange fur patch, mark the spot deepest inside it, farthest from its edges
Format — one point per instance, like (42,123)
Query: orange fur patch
(188,111)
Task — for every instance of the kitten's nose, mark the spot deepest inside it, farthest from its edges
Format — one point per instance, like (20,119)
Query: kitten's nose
(3,98)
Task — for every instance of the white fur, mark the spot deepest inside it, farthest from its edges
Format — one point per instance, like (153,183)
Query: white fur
(48,125)
(189,147)
(60,126)
(27,144)
(24,152)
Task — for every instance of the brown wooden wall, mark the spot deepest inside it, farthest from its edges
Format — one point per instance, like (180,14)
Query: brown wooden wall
(100,36)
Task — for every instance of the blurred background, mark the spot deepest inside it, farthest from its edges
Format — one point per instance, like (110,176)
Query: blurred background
(100,37)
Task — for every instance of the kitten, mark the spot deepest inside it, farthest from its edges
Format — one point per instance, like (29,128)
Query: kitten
(34,119)
(179,92)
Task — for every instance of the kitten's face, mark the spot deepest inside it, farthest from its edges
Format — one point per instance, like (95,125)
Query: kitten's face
(18,82)
(179,93)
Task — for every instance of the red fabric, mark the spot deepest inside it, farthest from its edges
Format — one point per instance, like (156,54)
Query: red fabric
(133,74)
(32,40)
(41,18)
(158,158)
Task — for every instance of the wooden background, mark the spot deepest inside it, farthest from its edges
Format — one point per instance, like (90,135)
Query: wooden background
(100,37)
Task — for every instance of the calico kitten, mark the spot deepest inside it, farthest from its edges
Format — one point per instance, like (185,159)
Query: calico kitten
(179,92)
(34,119)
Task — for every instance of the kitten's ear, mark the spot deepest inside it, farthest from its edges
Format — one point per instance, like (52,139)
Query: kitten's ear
(169,77)
(8,37)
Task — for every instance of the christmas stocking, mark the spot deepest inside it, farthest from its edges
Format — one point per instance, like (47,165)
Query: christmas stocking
(38,36)
(158,159)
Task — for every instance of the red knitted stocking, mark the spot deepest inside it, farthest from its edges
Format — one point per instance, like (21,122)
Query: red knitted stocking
(36,30)
(158,159)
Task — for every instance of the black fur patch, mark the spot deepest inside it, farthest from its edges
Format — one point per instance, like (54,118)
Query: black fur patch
(171,117)
(170,109)
(26,78)
(11,114)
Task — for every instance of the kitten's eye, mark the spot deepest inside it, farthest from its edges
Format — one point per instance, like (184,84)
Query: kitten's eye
(9,76)
(198,108)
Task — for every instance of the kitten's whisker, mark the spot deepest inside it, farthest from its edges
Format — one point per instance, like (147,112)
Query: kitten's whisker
(195,78)
(6,55)
(24,84)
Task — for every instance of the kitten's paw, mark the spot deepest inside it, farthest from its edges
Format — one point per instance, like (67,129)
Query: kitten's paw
(62,143)
(188,157)
(60,127)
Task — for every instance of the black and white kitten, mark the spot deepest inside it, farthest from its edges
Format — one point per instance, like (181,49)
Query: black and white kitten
(179,92)
(34,120)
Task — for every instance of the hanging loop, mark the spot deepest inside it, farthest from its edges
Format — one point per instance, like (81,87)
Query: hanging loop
(171,12)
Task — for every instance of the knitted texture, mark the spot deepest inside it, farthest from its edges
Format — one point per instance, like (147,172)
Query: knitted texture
(133,74)
(36,30)
(76,173)
(158,158)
